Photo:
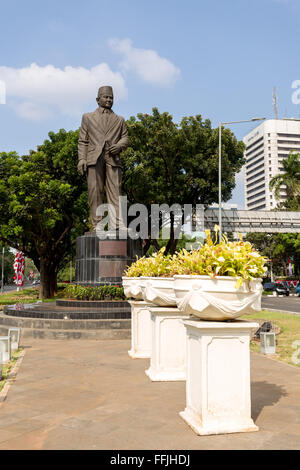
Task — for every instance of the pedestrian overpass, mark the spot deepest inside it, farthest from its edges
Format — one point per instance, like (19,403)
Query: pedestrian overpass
(234,220)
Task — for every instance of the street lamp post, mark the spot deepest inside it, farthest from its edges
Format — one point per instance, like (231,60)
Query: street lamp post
(220,165)
(2,273)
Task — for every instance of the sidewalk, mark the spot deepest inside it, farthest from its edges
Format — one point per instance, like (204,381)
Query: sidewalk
(90,395)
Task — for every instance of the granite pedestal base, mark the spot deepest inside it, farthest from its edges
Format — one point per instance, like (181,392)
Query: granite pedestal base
(218,377)
(69,319)
(103,261)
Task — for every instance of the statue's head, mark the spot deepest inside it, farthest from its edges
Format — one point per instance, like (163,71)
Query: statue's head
(105,97)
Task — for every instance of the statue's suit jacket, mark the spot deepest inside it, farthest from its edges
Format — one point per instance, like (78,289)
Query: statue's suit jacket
(96,132)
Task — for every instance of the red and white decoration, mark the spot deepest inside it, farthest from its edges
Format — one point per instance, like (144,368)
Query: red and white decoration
(19,268)
(294,283)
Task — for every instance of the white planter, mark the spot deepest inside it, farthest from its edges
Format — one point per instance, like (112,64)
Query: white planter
(159,291)
(168,354)
(132,287)
(141,330)
(14,334)
(216,299)
(5,348)
(218,397)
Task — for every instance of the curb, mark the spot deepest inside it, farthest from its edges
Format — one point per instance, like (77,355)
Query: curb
(280,311)
(11,378)
(290,295)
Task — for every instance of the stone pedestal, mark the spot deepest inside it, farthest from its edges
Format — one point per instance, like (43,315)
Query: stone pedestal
(168,354)
(141,329)
(218,377)
(103,261)
(5,348)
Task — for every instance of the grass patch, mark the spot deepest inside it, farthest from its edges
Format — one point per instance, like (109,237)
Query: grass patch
(7,368)
(24,296)
(290,332)
(27,295)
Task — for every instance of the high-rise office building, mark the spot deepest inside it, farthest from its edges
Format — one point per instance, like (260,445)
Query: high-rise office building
(266,147)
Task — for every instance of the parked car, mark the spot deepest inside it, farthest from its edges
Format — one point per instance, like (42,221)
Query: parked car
(36,282)
(280,289)
(297,291)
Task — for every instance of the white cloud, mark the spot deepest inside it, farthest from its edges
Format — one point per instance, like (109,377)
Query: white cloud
(38,92)
(33,111)
(146,63)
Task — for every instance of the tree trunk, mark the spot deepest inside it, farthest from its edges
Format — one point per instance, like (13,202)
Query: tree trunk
(48,275)
(284,268)
(146,246)
(172,243)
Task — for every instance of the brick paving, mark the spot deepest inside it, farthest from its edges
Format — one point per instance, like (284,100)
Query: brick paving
(90,394)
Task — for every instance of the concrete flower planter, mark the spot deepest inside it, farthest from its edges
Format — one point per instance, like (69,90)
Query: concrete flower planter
(132,287)
(159,291)
(216,299)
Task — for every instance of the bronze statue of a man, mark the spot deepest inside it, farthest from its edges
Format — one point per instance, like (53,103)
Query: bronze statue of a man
(103,136)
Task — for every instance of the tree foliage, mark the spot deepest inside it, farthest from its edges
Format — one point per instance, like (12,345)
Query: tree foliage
(278,247)
(44,202)
(44,199)
(289,179)
(282,246)
(8,267)
(170,163)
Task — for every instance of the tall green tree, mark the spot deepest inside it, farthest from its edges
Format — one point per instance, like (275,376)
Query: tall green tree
(278,248)
(267,245)
(289,179)
(30,267)
(170,163)
(8,266)
(44,202)
(288,244)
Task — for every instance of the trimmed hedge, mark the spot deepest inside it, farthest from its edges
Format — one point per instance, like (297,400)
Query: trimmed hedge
(74,291)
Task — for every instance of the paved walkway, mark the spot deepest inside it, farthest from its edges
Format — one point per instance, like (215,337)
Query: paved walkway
(91,395)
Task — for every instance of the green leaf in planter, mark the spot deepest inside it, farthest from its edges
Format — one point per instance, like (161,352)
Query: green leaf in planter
(238,259)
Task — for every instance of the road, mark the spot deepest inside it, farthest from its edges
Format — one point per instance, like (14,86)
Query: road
(290,304)
(8,288)
(13,287)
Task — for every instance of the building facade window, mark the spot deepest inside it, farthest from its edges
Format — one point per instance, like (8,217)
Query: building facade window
(267,152)
(255,195)
(259,201)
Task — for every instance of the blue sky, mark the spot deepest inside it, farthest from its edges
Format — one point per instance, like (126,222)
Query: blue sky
(220,59)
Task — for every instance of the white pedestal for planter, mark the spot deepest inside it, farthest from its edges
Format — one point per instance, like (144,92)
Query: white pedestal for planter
(14,334)
(218,377)
(141,330)
(5,348)
(168,355)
